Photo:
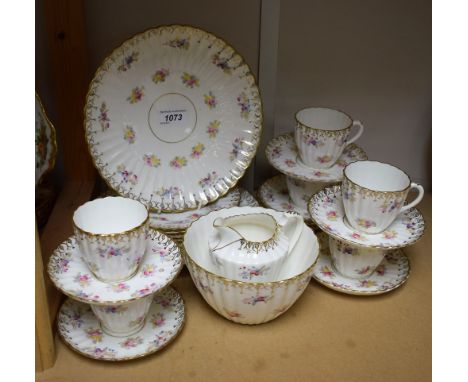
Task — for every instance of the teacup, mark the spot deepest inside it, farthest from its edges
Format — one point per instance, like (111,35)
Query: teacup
(354,261)
(112,236)
(374,194)
(322,134)
(301,191)
(123,320)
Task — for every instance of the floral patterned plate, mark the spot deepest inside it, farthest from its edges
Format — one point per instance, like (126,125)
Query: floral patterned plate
(283,155)
(80,329)
(391,273)
(46,145)
(159,267)
(173,118)
(181,220)
(274,194)
(326,209)
(247,199)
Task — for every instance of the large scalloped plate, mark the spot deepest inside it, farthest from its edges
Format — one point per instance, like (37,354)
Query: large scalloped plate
(173,118)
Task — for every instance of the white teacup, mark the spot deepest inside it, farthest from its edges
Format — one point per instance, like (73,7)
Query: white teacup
(301,191)
(374,194)
(112,236)
(322,134)
(354,261)
(123,319)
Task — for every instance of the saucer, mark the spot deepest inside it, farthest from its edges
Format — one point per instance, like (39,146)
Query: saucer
(283,155)
(247,199)
(326,209)
(81,330)
(181,220)
(390,274)
(274,194)
(70,274)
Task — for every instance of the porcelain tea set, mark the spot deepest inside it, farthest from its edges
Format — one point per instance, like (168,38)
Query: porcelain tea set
(175,159)
(365,217)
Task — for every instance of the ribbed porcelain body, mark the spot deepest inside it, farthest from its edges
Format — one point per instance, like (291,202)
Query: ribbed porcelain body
(123,319)
(354,261)
(242,301)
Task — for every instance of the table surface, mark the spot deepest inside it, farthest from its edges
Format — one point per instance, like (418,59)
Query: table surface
(325,336)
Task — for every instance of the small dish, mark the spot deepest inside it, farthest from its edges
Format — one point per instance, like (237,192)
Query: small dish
(327,211)
(274,194)
(81,330)
(248,302)
(283,155)
(159,267)
(392,272)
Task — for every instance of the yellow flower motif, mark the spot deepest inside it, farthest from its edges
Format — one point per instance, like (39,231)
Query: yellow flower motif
(213,129)
(197,150)
(390,234)
(151,160)
(178,162)
(136,95)
(129,134)
(190,80)
(160,75)
(210,100)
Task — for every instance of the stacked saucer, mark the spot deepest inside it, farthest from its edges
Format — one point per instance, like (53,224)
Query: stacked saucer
(366,225)
(116,272)
(175,225)
(311,158)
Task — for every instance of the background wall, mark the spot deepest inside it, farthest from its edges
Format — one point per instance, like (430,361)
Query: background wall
(369,58)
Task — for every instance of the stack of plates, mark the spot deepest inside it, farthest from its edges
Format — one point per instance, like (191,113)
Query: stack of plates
(176,224)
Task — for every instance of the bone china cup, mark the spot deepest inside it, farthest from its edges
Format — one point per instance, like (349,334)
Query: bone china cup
(374,194)
(354,261)
(111,235)
(123,320)
(322,134)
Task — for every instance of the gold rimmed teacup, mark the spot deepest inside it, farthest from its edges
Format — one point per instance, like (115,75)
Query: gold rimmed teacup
(112,234)
(322,134)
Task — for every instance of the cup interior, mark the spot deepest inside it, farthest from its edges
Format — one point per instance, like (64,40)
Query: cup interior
(323,119)
(377,176)
(110,215)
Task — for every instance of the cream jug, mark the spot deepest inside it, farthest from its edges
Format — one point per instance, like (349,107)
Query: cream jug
(253,247)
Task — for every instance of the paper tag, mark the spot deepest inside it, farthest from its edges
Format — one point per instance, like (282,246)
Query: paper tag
(172,117)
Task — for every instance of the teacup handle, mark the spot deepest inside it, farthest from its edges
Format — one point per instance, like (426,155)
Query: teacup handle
(359,133)
(418,198)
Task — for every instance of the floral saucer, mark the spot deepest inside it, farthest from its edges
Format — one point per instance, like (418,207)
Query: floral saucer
(274,194)
(181,220)
(173,118)
(247,199)
(326,209)
(390,274)
(71,275)
(80,329)
(283,155)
